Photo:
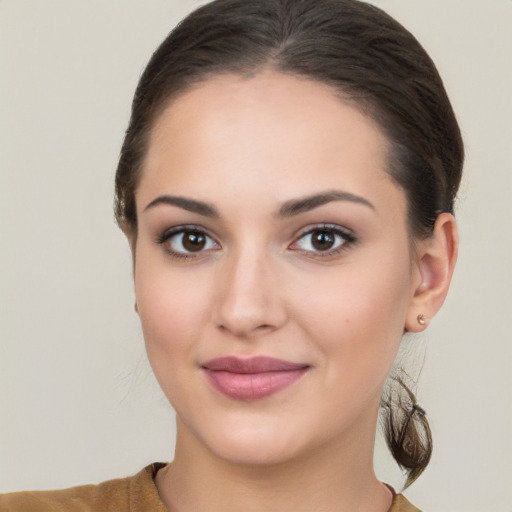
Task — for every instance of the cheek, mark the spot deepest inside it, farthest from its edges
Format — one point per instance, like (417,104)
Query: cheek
(173,314)
(357,316)
(173,309)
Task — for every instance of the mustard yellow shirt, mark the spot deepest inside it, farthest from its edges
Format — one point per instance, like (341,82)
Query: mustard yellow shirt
(137,493)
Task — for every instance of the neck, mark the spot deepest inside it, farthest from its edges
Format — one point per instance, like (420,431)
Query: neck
(331,478)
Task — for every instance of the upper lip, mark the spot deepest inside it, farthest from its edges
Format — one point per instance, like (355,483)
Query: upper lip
(258,364)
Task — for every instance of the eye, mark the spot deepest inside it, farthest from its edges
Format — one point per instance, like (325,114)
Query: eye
(185,241)
(324,239)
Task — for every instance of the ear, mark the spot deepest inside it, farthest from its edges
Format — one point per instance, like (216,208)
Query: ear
(435,260)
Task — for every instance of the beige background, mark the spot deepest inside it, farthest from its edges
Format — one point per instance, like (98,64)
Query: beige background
(78,402)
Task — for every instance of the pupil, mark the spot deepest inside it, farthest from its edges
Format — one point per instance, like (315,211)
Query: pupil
(193,241)
(323,240)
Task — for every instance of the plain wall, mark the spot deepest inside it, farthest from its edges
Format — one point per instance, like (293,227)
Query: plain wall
(78,402)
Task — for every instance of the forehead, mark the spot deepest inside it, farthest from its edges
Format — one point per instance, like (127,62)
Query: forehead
(291,134)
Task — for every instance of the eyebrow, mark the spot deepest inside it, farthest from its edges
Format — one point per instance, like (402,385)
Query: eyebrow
(304,204)
(190,205)
(288,209)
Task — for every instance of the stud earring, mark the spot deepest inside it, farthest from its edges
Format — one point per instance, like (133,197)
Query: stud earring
(421,319)
(135,308)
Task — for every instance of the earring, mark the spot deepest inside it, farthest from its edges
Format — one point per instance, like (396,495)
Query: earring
(135,308)
(421,319)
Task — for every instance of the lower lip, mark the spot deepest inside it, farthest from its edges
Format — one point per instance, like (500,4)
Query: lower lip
(252,386)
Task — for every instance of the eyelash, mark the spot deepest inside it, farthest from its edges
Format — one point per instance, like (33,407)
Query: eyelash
(347,236)
(170,233)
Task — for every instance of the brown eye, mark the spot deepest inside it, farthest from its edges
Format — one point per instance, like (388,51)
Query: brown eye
(322,240)
(193,241)
(182,242)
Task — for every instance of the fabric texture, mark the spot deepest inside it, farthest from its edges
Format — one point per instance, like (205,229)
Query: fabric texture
(137,493)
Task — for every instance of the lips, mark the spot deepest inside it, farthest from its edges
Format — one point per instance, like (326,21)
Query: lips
(252,379)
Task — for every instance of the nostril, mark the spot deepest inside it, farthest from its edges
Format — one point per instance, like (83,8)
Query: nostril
(246,305)
(264,327)
(245,331)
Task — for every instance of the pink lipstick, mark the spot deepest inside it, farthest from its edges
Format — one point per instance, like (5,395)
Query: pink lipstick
(253,378)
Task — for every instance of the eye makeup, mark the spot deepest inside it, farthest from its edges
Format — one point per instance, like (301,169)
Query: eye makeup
(324,241)
(317,241)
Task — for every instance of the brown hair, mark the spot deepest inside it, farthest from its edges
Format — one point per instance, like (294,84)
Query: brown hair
(369,59)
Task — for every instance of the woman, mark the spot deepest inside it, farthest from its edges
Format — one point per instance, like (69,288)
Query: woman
(286,185)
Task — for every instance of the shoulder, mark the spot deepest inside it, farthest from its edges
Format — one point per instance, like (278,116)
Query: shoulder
(133,494)
(401,504)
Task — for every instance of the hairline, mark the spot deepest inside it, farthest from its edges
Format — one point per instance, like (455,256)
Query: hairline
(365,104)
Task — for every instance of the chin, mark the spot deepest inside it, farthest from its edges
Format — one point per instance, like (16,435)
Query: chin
(255,453)
(252,443)
(266,442)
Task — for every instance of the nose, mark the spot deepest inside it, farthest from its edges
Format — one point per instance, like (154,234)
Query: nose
(248,302)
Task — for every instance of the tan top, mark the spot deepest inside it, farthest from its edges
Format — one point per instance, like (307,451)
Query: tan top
(137,493)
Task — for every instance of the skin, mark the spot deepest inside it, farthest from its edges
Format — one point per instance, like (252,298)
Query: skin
(246,147)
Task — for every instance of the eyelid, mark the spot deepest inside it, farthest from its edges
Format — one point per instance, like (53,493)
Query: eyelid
(169,233)
(346,233)
(325,226)
(343,231)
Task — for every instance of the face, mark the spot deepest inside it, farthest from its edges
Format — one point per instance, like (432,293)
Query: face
(273,268)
